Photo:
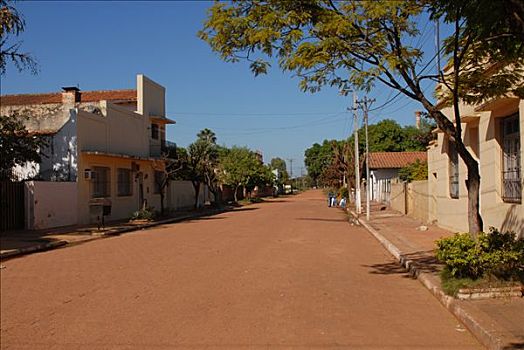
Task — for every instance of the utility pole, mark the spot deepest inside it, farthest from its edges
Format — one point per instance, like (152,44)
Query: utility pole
(366,103)
(291,173)
(358,204)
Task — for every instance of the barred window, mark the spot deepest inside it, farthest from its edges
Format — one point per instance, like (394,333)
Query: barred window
(511,173)
(124,182)
(453,170)
(102,182)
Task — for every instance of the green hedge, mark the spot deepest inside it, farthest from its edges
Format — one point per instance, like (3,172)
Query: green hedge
(492,254)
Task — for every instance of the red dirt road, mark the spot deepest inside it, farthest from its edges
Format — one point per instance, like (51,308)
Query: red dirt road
(289,274)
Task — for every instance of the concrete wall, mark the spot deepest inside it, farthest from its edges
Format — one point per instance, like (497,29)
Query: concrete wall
(181,195)
(412,199)
(482,137)
(50,204)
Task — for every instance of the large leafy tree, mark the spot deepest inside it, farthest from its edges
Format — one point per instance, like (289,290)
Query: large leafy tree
(240,167)
(317,158)
(17,145)
(12,24)
(360,43)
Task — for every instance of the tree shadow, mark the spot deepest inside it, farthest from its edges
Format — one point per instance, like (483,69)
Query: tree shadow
(410,265)
(511,346)
(513,222)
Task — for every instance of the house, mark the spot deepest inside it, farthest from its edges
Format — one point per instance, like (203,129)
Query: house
(492,132)
(384,167)
(103,153)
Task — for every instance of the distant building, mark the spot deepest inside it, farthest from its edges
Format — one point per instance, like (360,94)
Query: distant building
(384,167)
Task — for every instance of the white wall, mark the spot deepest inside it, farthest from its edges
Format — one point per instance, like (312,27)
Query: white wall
(181,195)
(50,204)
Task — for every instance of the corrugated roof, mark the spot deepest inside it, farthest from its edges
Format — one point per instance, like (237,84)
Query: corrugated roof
(85,96)
(394,160)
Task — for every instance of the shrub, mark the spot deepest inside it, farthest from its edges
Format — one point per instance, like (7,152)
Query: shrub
(144,214)
(343,192)
(414,172)
(491,254)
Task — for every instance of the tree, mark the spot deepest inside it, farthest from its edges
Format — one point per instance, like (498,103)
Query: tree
(280,165)
(317,158)
(172,164)
(239,167)
(17,145)
(12,23)
(361,43)
(414,172)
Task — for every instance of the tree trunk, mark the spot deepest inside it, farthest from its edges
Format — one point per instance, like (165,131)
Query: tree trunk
(196,186)
(235,193)
(475,223)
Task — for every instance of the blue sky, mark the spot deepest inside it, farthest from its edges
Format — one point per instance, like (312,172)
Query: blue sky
(103,45)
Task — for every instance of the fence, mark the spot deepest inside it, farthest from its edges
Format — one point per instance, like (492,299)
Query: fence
(12,214)
(413,199)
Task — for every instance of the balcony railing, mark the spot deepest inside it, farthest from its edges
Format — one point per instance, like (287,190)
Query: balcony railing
(157,149)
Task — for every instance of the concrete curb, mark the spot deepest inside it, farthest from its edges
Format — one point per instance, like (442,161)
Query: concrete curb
(33,249)
(62,243)
(487,337)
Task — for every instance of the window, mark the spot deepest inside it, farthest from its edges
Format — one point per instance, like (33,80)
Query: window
(159,178)
(154,131)
(124,182)
(453,170)
(101,182)
(511,174)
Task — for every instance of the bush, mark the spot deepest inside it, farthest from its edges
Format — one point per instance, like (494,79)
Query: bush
(343,192)
(414,172)
(491,254)
(144,214)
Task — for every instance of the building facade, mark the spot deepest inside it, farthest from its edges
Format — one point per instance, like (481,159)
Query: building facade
(104,146)
(492,133)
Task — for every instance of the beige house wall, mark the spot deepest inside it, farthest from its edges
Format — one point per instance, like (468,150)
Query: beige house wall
(482,136)
(122,207)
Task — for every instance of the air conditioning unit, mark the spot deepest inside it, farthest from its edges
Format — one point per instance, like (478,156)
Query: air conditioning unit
(89,174)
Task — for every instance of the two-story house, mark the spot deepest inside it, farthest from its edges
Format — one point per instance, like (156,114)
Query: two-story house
(103,153)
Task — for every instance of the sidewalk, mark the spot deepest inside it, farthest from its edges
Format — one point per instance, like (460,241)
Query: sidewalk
(16,243)
(497,323)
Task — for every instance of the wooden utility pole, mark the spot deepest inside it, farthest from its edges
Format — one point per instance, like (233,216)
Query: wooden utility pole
(366,103)
(358,204)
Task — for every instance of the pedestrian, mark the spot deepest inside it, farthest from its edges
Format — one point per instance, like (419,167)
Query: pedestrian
(330,198)
(343,203)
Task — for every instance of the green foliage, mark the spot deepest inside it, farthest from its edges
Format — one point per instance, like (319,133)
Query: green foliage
(144,214)
(12,24)
(239,166)
(280,165)
(317,158)
(492,254)
(343,192)
(17,145)
(414,172)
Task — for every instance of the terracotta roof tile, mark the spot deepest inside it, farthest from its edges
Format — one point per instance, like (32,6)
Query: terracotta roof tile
(85,96)
(394,160)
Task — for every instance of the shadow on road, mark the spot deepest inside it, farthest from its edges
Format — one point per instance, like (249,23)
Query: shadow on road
(322,219)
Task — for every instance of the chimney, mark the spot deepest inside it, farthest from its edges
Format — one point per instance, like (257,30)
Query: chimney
(417,119)
(70,95)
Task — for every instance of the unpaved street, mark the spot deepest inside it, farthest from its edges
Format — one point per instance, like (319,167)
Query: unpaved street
(287,274)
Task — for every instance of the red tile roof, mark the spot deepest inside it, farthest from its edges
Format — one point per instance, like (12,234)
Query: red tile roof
(394,160)
(85,96)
